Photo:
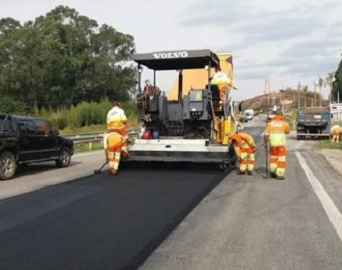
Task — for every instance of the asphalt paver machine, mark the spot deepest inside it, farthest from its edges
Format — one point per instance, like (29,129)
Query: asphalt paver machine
(194,127)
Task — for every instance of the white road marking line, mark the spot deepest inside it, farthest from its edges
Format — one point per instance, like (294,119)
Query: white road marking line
(329,206)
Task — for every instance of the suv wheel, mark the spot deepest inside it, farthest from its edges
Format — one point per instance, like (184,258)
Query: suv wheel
(8,165)
(64,158)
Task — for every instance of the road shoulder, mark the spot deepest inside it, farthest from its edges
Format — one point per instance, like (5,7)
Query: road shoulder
(43,175)
(333,157)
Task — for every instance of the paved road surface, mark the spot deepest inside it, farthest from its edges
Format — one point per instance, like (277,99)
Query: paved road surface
(255,223)
(37,176)
(98,222)
(246,222)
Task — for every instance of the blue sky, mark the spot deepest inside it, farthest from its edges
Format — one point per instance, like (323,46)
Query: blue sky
(286,41)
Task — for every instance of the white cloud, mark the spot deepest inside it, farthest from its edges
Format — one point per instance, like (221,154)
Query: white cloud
(288,41)
(275,39)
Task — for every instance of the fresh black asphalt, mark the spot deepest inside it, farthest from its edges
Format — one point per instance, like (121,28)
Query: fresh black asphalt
(101,221)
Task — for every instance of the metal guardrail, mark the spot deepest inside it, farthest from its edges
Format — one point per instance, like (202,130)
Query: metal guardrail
(93,137)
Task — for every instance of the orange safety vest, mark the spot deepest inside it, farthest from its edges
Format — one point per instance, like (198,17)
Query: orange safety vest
(335,130)
(223,83)
(277,130)
(244,143)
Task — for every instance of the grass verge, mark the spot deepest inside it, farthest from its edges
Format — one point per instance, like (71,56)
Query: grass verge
(88,129)
(329,145)
(132,125)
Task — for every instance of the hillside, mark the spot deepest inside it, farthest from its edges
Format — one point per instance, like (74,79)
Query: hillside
(284,98)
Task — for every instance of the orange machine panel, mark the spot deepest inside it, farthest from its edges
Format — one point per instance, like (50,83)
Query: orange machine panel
(198,78)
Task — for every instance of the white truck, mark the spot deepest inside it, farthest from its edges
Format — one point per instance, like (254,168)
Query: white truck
(249,114)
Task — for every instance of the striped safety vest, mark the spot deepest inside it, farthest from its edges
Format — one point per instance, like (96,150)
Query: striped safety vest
(277,130)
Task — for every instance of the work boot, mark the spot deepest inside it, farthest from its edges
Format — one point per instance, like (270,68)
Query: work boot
(280,177)
(250,172)
(113,171)
(241,173)
(273,175)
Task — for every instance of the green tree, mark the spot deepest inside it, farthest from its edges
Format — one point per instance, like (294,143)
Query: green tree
(329,82)
(336,93)
(320,84)
(64,58)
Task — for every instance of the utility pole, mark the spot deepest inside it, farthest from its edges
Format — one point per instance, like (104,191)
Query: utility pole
(298,99)
(267,89)
(298,95)
(337,105)
(331,86)
(315,85)
(267,92)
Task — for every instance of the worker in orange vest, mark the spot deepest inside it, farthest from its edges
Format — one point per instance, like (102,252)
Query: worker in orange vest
(335,133)
(244,147)
(113,143)
(116,122)
(223,82)
(275,137)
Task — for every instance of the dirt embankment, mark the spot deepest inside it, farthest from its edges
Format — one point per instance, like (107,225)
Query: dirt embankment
(289,98)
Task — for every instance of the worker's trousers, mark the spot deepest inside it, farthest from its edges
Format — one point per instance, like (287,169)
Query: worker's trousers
(335,138)
(114,160)
(278,160)
(247,160)
(116,142)
(124,133)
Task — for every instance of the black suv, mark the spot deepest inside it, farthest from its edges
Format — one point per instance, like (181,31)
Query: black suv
(25,140)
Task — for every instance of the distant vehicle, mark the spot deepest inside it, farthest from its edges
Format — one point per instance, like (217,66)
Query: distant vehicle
(313,122)
(25,140)
(244,119)
(249,114)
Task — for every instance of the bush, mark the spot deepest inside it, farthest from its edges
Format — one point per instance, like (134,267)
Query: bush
(85,114)
(8,105)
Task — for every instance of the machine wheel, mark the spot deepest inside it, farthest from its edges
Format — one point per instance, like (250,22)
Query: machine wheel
(64,158)
(231,160)
(8,165)
(223,166)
